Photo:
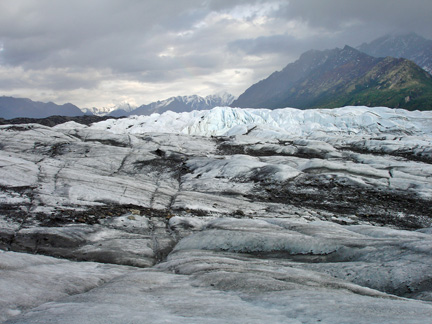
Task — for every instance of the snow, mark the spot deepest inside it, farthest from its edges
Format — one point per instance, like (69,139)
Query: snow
(102,111)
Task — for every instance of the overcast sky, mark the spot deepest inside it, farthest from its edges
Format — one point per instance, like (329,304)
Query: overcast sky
(104,52)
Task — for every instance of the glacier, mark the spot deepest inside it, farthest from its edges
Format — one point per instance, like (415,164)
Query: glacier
(245,215)
(226,121)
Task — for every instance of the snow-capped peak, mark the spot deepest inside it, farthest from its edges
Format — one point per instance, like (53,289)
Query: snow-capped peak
(176,104)
(185,104)
(102,111)
(224,98)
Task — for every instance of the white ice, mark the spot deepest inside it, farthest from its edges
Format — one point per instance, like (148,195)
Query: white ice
(197,240)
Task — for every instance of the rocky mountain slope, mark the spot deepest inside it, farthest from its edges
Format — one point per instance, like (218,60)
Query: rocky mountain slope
(341,77)
(20,107)
(179,104)
(410,46)
(253,216)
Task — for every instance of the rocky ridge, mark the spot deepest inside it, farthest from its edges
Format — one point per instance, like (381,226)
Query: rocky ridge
(11,107)
(178,104)
(342,77)
(410,46)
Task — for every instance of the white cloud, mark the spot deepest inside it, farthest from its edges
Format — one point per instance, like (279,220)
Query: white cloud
(252,11)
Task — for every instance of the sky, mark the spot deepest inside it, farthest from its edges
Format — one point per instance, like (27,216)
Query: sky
(101,53)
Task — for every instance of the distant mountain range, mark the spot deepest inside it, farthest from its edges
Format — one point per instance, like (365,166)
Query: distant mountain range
(410,46)
(11,107)
(342,77)
(373,74)
(179,104)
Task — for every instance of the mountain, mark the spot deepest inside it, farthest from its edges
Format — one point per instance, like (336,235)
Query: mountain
(410,46)
(342,77)
(115,111)
(179,104)
(11,107)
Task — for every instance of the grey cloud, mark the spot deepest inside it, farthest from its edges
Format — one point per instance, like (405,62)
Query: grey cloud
(290,46)
(393,15)
(88,30)
(336,23)
(54,79)
(125,39)
(127,36)
(266,44)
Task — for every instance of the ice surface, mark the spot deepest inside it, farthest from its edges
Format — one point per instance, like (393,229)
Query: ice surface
(228,215)
(277,270)
(224,120)
(153,297)
(28,280)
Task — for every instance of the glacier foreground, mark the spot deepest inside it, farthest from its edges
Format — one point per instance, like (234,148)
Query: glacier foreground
(227,215)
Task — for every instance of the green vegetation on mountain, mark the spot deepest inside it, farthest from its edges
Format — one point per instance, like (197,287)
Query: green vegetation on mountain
(396,83)
(346,77)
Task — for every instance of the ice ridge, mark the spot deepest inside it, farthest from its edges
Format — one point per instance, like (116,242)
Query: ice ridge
(225,121)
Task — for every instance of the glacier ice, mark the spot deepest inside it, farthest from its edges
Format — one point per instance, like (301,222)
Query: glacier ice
(253,216)
(221,120)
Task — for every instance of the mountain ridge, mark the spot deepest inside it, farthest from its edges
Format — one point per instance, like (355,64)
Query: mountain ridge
(11,107)
(179,104)
(410,46)
(340,77)
(329,78)
(106,110)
